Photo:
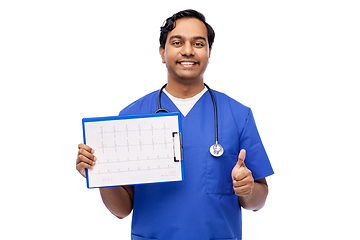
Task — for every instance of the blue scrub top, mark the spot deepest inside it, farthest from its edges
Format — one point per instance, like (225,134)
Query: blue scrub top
(204,205)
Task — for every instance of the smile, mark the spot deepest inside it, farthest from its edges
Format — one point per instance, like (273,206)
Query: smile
(187,64)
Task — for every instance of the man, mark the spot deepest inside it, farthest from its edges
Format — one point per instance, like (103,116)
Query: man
(207,204)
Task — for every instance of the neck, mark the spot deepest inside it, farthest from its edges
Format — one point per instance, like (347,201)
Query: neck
(180,90)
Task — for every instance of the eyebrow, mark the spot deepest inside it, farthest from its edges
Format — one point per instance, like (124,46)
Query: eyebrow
(194,38)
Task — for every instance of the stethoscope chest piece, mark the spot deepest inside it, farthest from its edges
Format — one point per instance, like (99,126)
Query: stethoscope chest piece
(216,150)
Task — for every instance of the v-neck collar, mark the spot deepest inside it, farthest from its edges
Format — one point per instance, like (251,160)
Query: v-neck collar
(174,108)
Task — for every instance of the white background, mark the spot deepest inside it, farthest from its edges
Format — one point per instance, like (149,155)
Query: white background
(295,63)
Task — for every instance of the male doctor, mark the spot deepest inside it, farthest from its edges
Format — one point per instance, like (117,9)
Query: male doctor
(207,204)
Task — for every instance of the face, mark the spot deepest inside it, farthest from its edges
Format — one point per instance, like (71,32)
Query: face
(186,52)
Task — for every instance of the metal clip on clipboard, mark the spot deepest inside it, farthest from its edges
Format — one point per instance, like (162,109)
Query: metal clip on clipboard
(177,146)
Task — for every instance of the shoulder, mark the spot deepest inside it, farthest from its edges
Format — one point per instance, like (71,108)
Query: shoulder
(141,106)
(235,106)
(233,112)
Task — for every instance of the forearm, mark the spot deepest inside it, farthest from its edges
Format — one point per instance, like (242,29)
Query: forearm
(256,200)
(118,200)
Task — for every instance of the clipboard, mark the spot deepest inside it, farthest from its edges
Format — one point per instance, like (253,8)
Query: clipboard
(134,149)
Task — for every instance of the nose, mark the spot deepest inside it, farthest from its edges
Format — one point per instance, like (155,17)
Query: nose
(187,50)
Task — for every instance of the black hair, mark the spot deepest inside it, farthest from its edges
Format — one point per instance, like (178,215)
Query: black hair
(169,25)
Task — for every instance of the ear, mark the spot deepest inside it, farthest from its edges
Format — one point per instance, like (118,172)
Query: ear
(209,52)
(162,54)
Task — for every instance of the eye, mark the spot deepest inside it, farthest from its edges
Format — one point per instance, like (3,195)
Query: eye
(199,44)
(176,43)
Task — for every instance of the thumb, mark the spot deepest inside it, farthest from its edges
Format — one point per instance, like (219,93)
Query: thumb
(241,158)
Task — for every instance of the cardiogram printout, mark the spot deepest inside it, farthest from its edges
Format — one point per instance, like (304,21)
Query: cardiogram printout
(134,149)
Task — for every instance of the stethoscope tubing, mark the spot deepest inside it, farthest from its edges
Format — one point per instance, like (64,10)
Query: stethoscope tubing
(160,109)
(215,113)
(216,150)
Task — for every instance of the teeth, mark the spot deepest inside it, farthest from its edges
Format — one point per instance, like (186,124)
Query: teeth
(187,63)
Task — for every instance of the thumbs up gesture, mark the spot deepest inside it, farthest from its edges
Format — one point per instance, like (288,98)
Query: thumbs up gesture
(243,181)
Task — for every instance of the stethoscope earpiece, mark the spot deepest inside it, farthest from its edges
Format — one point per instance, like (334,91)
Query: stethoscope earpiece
(216,150)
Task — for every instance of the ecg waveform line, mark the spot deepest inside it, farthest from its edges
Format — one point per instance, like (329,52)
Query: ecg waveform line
(140,129)
(135,170)
(141,144)
(133,160)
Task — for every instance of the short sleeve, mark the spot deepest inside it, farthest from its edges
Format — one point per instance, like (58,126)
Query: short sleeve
(256,157)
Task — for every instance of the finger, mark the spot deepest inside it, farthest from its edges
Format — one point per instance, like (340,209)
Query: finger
(238,173)
(243,188)
(85,153)
(242,180)
(242,174)
(82,158)
(243,191)
(241,158)
(81,168)
(86,147)
(83,173)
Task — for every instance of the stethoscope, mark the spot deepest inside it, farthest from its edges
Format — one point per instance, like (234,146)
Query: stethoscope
(216,150)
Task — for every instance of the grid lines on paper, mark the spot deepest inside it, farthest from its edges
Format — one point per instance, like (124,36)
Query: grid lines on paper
(133,149)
